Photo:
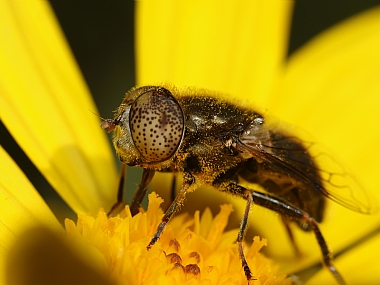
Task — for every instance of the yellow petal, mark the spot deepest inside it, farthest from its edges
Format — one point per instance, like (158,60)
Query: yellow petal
(21,206)
(46,106)
(41,257)
(359,266)
(231,46)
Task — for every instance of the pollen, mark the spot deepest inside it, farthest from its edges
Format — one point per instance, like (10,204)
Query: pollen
(191,250)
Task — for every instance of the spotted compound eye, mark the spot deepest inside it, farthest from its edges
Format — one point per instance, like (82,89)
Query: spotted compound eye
(156,123)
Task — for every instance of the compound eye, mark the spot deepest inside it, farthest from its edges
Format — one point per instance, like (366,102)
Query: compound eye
(156,124)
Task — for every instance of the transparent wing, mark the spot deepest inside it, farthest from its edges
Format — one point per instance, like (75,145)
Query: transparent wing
(306,163)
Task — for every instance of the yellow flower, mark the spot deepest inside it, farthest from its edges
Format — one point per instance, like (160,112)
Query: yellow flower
(43,103)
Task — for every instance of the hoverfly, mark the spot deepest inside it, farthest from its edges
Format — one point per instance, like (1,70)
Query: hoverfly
(214,141)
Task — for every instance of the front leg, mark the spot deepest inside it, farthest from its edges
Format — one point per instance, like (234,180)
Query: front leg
(141,190)
(188,180)
(120,193)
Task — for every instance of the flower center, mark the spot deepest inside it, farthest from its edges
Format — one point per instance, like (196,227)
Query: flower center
(190,248)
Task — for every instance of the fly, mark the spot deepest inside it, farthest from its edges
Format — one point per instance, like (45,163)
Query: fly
(217,142)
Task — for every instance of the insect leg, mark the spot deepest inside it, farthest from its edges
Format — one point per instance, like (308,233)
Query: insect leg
(141,190)
(176,204)
(288,211)
(120,191)
(174,183)
(241,234)
(293,213)
(289,231)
